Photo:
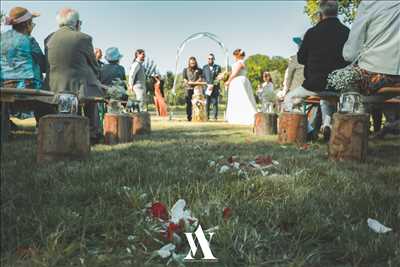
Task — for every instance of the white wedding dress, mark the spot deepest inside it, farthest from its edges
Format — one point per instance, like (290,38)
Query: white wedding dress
(241,102)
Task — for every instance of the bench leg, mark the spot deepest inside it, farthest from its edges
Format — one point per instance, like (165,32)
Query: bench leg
(5,122)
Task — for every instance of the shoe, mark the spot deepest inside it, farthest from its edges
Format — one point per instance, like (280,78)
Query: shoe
(327,133)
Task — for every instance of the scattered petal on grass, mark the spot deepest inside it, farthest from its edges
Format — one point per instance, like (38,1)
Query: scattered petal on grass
(236,165)
(159,210)
(377,227)
(224,169)
(131,237)
(166,251)
(263,160)
(227,213)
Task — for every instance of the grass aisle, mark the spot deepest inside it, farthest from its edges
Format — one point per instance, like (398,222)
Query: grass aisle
(310,212)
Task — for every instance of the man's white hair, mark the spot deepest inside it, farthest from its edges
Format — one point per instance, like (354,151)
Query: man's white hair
(67,17)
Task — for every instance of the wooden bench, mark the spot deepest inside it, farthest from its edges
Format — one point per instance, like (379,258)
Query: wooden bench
(21,99)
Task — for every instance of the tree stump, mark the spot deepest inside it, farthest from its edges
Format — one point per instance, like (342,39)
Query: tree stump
(292,128)
(349,137)
(141,123)
(117,128)
(265,123)
(63,137)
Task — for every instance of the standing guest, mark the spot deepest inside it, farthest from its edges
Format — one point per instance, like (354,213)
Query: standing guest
(159,100)
(73,67)
(113,70)
(22,61)
(320,53)
(137,78)
(294,74)
(210,73)
(99,55)
(191,74)
(266,89)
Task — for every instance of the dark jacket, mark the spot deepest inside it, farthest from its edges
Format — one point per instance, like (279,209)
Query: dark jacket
(321,52)
(110,72)
(72,64)
(210,77)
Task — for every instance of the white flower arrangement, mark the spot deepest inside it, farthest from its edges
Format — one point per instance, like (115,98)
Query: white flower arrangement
(117,90)
(344,80)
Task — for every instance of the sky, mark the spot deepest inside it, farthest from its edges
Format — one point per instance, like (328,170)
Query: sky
(159,27)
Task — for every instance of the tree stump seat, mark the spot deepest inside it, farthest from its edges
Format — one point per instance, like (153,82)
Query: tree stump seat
(292,128)
(141,123)
(63,137)
(349,137)
(117,128)
(265,123)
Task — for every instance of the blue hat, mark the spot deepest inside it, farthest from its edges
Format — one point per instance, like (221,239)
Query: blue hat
(112,54)
(297,40)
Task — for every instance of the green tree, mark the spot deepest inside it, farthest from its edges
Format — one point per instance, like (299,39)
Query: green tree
(257,64)
(347,9)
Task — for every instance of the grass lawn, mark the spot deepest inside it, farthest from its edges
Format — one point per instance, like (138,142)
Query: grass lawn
(307,211)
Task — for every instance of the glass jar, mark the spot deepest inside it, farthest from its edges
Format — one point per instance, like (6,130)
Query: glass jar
(67,103)
(351,102)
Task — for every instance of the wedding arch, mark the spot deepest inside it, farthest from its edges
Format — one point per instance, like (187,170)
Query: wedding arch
(195,36)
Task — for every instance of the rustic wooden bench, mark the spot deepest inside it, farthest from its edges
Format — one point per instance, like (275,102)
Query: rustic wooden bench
(20,99)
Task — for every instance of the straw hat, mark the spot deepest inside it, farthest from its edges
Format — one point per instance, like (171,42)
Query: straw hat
(112,54)
(18,15)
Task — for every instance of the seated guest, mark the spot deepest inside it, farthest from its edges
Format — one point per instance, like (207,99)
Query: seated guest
(22,60)
(374,42)
(99,55)
(320,53)
(113,70)
(73,67)
(374,45)
(294,74)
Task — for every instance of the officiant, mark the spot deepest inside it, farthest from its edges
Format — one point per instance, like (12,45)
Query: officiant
(210,73)
(191,75)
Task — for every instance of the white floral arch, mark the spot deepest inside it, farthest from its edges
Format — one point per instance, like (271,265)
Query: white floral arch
(195,36)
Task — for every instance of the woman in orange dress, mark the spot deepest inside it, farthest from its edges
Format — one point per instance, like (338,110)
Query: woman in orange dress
(159,101)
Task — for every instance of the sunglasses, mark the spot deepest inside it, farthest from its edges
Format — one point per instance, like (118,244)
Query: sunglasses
(210,58)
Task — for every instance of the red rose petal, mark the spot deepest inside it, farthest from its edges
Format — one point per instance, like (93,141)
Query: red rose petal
(159,210)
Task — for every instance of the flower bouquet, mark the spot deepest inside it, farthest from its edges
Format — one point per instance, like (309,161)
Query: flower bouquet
(344,80)
(116,93)
(223,76)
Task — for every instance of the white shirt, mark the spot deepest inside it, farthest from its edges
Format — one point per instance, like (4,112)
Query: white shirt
(375,37)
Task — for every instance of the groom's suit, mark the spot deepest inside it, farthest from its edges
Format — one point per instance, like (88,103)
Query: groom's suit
(210,74)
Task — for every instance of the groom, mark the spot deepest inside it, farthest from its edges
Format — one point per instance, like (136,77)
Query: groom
(210,73)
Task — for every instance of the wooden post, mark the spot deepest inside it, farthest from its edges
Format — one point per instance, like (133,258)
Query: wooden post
(292,128)
(265,123)
(141,123)
(117,128)
(63,137)
(349,137)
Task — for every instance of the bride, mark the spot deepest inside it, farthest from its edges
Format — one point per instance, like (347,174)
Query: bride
(241,103)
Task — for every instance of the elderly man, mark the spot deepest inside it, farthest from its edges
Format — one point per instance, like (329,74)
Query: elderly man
(72,65)
(320,53)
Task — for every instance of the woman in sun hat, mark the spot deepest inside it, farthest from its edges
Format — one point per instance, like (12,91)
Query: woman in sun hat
(22,60)
(113,70)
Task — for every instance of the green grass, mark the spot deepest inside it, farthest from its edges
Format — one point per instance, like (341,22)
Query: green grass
(311,212)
